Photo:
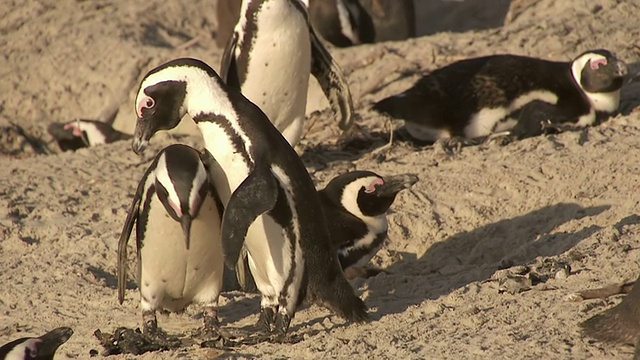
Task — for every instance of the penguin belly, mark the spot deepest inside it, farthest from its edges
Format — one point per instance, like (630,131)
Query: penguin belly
(278,68)
(171,277)
(271,259)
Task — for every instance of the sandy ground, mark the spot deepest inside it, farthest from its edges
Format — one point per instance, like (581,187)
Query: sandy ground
(568,198)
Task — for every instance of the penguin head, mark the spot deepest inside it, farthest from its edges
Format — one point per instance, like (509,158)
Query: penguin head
(168,92)
(600,75)
(181,184)
(78,133)
(41,348)
(365,193)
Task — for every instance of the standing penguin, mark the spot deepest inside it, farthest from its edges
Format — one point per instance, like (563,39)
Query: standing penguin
(36,348)
(271,205)
(179,252)
(269,57)
(476,97)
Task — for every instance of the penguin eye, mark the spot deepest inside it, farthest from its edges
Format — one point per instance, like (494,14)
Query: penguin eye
(372,187)
(595,63)
(146,102)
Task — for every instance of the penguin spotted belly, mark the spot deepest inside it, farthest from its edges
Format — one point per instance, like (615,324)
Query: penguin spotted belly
(171,277)
(280,57)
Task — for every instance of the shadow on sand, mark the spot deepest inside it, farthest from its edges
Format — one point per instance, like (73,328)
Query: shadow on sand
(472,256)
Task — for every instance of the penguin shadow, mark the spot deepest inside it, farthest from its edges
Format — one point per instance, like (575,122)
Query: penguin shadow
(110,280)
(630,93)
(475,255)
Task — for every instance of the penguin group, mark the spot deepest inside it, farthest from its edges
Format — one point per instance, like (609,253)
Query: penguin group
(246,204)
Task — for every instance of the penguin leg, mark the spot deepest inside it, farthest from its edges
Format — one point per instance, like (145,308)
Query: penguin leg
(150,324)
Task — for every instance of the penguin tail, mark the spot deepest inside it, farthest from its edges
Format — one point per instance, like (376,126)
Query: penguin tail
(339,297)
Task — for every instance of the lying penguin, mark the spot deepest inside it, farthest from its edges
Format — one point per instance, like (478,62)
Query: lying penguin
(476,97)
(355,205)
(76,134)
(179,252)
(36,348)
(620,324)
(269,58)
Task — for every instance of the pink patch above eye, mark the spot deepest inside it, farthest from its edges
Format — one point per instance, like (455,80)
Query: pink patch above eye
(372,187)
(76,130)
(175,207)
(142,104)
(595,64)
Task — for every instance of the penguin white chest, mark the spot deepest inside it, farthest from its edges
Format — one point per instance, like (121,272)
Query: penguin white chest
(279,65)
(172,276)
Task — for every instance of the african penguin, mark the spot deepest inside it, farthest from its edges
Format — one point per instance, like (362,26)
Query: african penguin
(619,324)
(355,206)
(342,22)
(81,133)
(179,253)
(269,57)
(271,206)
(476,97)
(36,348)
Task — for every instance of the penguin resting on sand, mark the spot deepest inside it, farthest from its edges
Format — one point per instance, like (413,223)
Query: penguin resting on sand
(269,57)
(36,348)
(271,206)
(355,206)
(76,134)
(477,97)
(179,253)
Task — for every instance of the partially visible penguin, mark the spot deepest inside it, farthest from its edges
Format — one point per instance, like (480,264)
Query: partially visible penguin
(355,205)
(179,254)
(269,57)
(476,97)
(270,204)
(620,324)
(76,134)
(342,22)
(36,348)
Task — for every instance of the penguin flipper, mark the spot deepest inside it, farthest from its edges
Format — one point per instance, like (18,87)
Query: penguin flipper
(228,71)
(132,217)
(332,81)
(256,195)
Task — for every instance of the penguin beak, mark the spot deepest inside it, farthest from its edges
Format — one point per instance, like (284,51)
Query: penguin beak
(621,68)
(142,134)
(393,184)
(185,220)
(51,341)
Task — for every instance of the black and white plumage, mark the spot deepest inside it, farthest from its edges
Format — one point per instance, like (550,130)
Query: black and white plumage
(269,57)
(355,205)
(476,97)
(342,22)
(36,348)
(179,254)
(271,205)
(76,134)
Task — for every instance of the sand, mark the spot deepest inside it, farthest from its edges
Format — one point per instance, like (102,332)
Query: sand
(455,239)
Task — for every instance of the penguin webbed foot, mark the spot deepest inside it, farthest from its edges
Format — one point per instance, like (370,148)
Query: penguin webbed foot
(453,145)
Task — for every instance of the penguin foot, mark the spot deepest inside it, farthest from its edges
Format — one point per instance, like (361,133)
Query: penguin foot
(266,319)
(453,145)
(282,324)
(129,341)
